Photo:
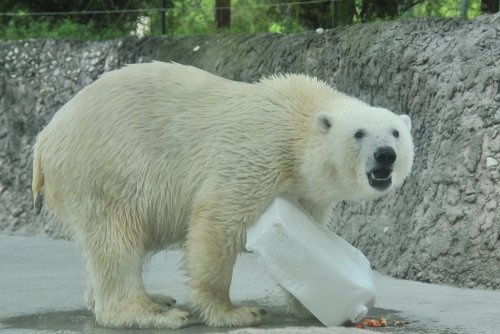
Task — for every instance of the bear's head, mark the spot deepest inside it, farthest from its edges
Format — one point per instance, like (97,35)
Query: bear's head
(364,152)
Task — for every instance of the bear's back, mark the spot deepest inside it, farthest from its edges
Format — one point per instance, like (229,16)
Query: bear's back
(164,130)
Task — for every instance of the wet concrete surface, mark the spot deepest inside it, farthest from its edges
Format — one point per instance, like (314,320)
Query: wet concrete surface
(82,321)
(42,284)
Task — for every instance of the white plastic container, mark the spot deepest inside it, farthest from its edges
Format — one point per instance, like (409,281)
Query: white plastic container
(329,276)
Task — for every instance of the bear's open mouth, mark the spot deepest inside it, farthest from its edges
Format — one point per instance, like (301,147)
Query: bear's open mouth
(380,178)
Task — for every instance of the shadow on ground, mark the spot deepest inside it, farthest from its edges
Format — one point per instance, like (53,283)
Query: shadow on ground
(82,321)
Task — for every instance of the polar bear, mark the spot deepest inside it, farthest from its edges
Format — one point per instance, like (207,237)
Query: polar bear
(156,154)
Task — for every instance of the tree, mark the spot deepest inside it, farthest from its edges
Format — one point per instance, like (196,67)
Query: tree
(383,9)
(223,14)
(338,13)
(343,12)
(88,25)
(100,20)
(489,6)
(206,17)
(371,9)
(313,15)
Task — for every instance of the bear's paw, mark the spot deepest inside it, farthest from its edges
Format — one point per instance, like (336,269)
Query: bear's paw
(237,317)
(157,317)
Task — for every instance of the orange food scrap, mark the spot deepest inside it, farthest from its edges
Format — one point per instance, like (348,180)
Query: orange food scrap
(375,322)
(379,322)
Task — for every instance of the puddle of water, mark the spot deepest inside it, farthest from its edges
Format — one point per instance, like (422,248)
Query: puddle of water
(82,322)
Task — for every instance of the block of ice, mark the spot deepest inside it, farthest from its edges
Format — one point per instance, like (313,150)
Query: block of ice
(329,276)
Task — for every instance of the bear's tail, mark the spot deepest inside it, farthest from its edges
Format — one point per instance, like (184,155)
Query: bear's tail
(38,180)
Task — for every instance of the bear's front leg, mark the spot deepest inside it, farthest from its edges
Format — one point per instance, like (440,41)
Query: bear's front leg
(212,247)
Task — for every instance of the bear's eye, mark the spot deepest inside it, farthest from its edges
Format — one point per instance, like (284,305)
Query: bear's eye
(359,134)
(395,133)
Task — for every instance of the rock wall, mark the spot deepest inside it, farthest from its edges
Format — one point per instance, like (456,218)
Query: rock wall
(442,226)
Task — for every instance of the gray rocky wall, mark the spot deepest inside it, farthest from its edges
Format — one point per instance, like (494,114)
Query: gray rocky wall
(442,226)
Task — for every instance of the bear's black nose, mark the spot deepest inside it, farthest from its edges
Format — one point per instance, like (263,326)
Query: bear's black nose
(385,155)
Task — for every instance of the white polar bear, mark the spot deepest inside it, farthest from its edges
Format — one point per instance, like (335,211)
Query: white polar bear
(156,154)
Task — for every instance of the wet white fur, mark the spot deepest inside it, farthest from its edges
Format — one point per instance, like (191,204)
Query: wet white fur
(156,154)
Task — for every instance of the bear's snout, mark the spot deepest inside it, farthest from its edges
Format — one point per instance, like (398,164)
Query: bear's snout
(380,176)
(385,156)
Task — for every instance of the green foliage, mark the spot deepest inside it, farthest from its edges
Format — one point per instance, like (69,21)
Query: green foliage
(89,26)
(444,8)
(22,27)
(196,17)
(251,16)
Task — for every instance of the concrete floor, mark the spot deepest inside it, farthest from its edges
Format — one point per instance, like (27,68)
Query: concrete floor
(42,284)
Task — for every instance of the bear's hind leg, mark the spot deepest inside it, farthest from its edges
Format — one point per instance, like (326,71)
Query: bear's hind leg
(211,253)
(119,297)
(295,307)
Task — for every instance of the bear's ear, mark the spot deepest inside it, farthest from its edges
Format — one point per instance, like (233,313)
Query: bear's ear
(406,119)
(324,122)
